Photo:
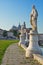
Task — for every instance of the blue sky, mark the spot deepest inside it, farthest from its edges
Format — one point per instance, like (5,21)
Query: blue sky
(14,11)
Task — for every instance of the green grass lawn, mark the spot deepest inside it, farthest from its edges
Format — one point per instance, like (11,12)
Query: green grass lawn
(3,46)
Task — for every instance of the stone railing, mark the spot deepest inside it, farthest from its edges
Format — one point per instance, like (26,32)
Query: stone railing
(23,46)
(39,58)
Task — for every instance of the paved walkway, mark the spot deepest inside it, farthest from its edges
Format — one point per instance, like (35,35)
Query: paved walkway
(14,55)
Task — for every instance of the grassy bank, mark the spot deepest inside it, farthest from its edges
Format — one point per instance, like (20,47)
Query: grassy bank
(3,46)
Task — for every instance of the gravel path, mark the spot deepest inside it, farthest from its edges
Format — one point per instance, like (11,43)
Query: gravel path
(14,55)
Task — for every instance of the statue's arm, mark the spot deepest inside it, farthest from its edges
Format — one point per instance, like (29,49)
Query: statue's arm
(31,17)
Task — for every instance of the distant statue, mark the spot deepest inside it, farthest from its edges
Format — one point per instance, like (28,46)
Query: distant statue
(22,29)
(33,18)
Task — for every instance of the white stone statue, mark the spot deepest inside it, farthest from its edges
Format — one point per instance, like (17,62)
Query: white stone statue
(22,29)
(22,36)
(33,18)
(33,47)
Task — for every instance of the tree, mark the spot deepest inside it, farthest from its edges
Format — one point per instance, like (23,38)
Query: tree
(4,33)
(15,32)
(18,34)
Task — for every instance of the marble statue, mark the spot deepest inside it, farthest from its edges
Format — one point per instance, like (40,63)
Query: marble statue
(33,18)
(22,29)
(22,36)
(33,47)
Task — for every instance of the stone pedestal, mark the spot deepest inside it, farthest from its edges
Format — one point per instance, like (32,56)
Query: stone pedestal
(27,37)
(22,39)
(33,47)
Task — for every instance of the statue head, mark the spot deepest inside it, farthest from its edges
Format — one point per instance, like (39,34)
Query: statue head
(33,7)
